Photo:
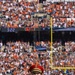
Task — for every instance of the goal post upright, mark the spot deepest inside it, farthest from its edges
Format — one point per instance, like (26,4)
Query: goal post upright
(51,58)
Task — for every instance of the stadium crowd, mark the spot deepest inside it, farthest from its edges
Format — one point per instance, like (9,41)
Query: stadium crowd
(17,57)
(19,14)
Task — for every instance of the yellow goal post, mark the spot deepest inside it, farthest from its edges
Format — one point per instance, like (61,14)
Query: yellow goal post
(51,52)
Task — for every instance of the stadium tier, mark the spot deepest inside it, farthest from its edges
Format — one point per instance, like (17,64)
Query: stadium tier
(19,51)
(14,14)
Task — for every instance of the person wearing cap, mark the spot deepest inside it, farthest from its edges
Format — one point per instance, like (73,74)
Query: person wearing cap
(36,69)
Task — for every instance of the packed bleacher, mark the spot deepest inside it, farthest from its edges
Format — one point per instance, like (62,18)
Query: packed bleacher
(64,55)
(17,57)
(19,14)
